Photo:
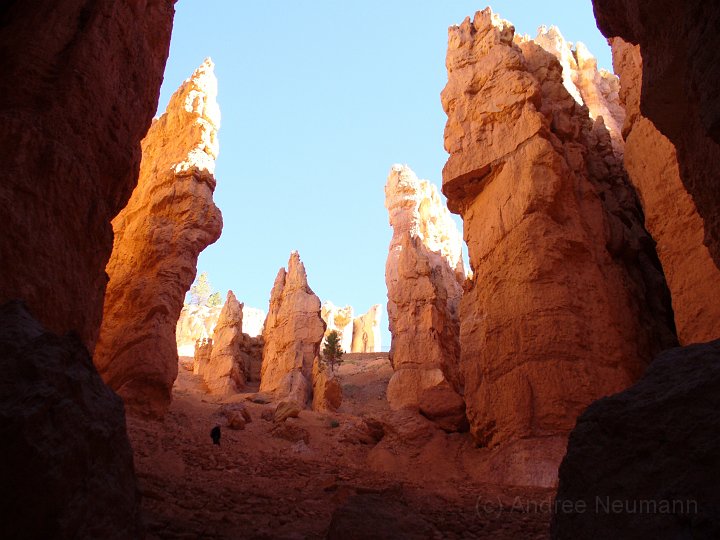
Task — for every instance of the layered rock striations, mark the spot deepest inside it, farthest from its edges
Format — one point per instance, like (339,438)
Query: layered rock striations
(670,212)
(169,220)
(424,274)
(80,86)
(366,331)
(224,373)
(680,78)
(293,332)
(566,302)
(651,452)
(339,319)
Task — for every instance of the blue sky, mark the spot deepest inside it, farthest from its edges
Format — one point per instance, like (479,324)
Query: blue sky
(319,98)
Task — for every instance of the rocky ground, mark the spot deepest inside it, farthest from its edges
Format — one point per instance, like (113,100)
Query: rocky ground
(363,472)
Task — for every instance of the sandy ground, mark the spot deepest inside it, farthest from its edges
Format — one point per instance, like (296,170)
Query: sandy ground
(415,482)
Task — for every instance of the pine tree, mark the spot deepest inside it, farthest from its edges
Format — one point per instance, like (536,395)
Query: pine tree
(332,351)
(201,290)
(214,299)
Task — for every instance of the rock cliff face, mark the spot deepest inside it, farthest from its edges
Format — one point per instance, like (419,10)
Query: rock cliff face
(327,391)
(224,372)
(680,78)
(670,213)
(366,331)
(652,448)
(65,177)
(424,275)
(292,334)
(339,319)
(67,465)
(198,322)
(566,302)
(201,357)
(169,220)
(597,89)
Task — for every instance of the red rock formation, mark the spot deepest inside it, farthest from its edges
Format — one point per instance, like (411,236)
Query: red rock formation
(292,334)
(80,85)
(424,274)
(195,322)
(681,75)
(67,466)
(327,391)
(652,450)
(366,331)
(149,274)
(224,372)
(670,213)
(203,350)
(565,303)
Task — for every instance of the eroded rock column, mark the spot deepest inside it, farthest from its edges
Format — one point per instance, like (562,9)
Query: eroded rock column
(366,331)
(293,332)
(224,373)
(424,274)
(566,302)
(169,220)
(339,319)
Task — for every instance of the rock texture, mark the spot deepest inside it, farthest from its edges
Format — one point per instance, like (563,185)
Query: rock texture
(670,213)
(198,322)
(566,302)
(292,334)
(424,274)
(224,372)
(597,89)
(201,358)
(680,78)
(169,220)
(80,86)
(251,349)
(339,319)
(327,391)
(366,331)
(66,463)
(656,445)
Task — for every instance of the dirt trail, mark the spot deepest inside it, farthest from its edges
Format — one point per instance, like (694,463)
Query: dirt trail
(417,482)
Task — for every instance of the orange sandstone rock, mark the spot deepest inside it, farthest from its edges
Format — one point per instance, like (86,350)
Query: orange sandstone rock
(424,274)
(327,391)
(566,302)
(169,220)
(339,319)
(366,331)
(224,372)
(670,213)
(292,334)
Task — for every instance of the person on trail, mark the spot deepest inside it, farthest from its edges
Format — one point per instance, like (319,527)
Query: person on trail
(215,435)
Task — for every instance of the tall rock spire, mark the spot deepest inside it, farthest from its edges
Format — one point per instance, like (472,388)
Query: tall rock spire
(170,219)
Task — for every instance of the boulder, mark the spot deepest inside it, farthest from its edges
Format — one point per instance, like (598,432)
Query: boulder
(285,410)
(643,463)
(169,220)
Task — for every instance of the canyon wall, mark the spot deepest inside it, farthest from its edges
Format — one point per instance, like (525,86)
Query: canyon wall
(670,213)
(168,221)
(339,319)
(424,274)
(566,302)
(80,87)
(366,331)
(293,332)
(680,78)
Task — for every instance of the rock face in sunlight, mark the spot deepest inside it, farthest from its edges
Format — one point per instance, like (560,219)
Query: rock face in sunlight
(424,274)
(293,332)
(366,331)
(632,448)
(670,213)
(169,220)
(198,322)
(339,319)
(679,94)
(597,89)
(327,391)
(201,357)
(73,112)
(224,373)
(66,460)
(566,303)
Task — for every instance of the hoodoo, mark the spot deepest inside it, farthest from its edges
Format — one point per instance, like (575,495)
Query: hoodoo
(149,274)
(566,302)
